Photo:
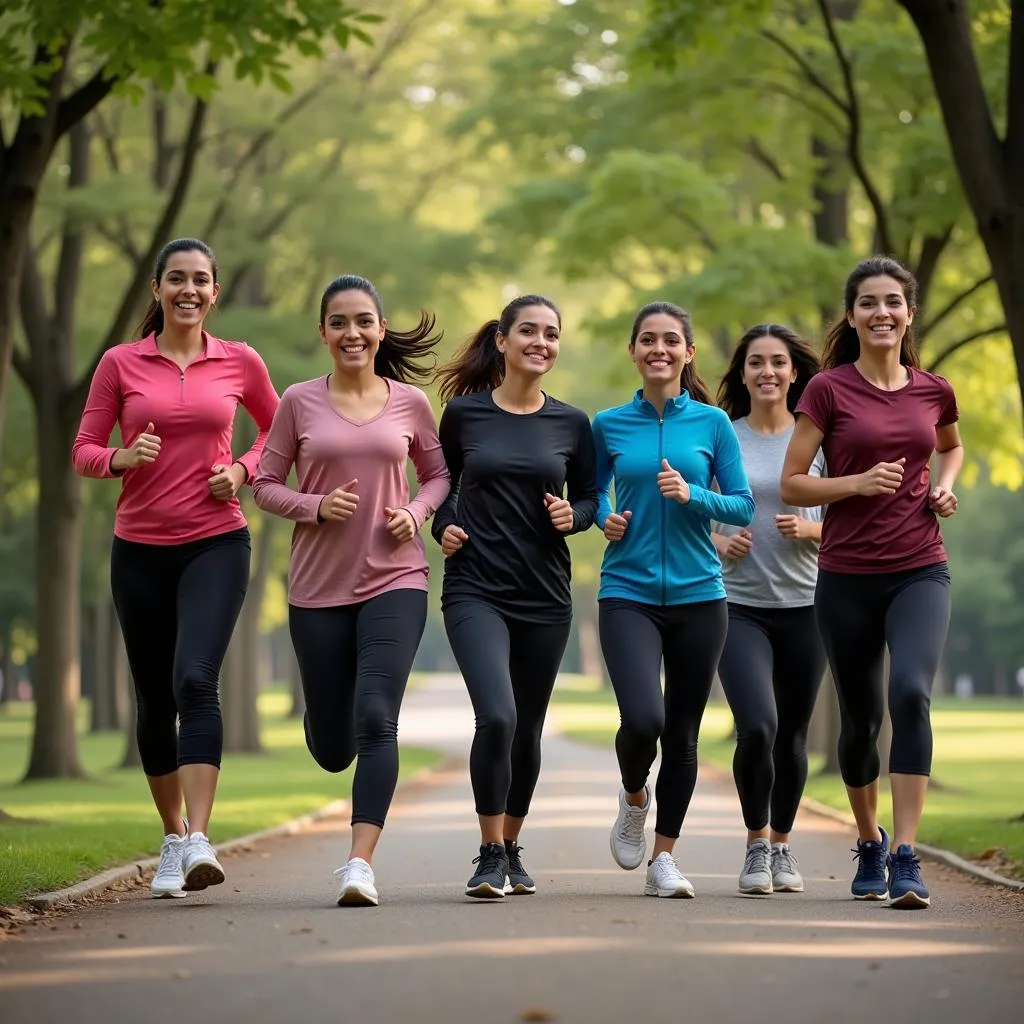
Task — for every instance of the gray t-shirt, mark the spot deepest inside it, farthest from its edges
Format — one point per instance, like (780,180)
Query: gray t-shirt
(777,572)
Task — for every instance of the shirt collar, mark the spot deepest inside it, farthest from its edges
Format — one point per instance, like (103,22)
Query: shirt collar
(214,347)
(673,406)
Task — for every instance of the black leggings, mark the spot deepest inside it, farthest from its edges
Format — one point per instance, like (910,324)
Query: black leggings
(177,605)
(634,639)
(355,661)
(509,667)
(859,615)
(771,669)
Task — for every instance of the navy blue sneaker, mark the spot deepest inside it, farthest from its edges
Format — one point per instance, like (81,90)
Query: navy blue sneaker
(869,883)
(906,887)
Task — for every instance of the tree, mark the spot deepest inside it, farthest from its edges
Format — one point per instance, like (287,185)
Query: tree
(116,45)
(991,167)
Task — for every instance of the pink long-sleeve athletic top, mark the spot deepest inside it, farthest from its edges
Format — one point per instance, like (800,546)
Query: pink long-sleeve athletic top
(192,411)
(339,563)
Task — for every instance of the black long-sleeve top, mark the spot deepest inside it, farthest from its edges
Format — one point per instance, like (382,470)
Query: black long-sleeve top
(502,464)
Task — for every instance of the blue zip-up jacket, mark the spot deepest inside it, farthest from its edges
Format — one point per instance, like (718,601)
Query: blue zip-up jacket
(666,556)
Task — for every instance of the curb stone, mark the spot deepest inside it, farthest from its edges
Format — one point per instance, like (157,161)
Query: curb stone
(132,872)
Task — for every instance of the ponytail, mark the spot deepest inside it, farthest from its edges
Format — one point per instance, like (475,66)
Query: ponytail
(478,365)
(692,383)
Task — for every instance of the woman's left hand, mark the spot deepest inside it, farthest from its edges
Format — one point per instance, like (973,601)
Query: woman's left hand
(672,485)
(942,502)
(560,512)
(227,480)
(401,524)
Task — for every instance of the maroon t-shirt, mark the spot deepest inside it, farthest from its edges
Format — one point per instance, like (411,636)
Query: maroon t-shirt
(864,425)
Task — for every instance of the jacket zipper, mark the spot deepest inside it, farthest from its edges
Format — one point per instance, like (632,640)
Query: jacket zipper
(661,440)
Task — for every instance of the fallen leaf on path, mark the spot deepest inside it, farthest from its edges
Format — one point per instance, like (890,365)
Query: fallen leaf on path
(182,974)
(536,1013)
(300,931)
(238,888)
(121,935)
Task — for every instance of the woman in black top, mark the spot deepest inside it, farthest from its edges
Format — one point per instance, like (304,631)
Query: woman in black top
(510,449)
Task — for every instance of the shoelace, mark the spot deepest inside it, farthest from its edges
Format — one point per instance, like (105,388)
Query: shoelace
(632,827)
(904,868)
(200,843)
(514,861)
(170,856)
(870,855)
(667,865)
(787,862)
(489,857)
(758,859)
(359,872)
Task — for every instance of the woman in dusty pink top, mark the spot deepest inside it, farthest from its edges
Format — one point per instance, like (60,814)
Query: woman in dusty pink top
(179,565)
(357,586)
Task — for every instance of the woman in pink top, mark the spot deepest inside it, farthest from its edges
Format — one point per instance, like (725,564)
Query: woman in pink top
(179,566)
(882,579)
(357,586)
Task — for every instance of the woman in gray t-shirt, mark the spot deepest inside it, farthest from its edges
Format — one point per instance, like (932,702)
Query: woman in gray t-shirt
(773,659)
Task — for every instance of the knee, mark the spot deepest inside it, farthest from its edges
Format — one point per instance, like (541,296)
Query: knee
(646,728)
(909,700)
(498,726)
(375,722)
(195,686)
(334,761)
(757,737)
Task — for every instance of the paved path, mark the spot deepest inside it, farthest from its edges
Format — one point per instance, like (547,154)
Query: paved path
(270,945)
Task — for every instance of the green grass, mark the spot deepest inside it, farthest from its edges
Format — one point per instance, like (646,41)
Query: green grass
(79,828)
(974,807)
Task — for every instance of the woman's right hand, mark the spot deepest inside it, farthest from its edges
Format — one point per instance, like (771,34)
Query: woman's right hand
(340,504)
(615,526)
(141,452)
(884,478)
(452,540)
(739,544)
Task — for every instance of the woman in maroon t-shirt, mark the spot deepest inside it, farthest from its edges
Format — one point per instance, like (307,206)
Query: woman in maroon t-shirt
(883,578)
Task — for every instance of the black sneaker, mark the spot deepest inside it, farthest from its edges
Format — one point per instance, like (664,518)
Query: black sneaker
(489,881)
(517,882)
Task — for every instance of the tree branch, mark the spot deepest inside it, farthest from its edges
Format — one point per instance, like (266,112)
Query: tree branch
(175,201)
(802,98)
(754,149)
(853,134)
(35,319)
(83,101)
(1014,144)
(695,225)
(69,263)
(810,75)
(986,332)
(952,305)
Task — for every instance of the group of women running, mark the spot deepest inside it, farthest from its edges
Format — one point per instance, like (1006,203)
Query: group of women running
(719,559)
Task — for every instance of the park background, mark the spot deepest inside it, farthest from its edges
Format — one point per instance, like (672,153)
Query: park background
(736,157)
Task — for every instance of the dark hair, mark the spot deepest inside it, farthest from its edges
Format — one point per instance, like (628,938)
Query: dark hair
(690,381)
(479,365)
(153,320)
(842,344)
(733,395)
(400,351)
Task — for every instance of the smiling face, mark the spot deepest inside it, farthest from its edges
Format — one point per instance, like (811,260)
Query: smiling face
(531,345)
(186,289)
(768,371)
(880,314)
(352,331)
(660,350)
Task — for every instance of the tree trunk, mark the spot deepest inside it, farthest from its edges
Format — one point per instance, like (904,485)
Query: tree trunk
(6,669)
(242,675)
(298,708)
(105,717)
(591,661)
(56,683)
(132,758)
(824,731)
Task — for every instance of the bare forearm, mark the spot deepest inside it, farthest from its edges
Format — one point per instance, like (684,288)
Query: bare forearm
(721,542)
(948,465)
(805,491)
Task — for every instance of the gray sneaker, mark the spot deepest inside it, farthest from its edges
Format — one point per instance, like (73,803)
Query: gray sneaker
(756,876)
(785,876)
(627,836)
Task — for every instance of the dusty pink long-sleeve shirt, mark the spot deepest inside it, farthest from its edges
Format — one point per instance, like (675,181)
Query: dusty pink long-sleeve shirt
(339,563)
(192,412)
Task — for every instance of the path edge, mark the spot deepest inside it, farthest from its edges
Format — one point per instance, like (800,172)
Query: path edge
(126,872)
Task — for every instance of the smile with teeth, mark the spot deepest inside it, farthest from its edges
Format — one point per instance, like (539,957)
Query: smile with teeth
(187,305)
(658,363)
(353,349)
(883,328)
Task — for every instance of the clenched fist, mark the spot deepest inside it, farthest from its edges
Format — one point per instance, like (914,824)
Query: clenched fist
(340,504)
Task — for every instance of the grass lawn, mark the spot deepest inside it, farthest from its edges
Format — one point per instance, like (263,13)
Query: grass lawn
(80,828)
(976,806)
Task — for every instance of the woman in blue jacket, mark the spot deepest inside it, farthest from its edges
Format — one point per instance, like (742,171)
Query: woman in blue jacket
(661,595)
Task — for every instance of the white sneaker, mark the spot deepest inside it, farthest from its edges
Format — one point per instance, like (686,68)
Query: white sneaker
(357,888)
(169,877)
(199,863)
(756,876)
(665,879)
(785,875)
(627,839)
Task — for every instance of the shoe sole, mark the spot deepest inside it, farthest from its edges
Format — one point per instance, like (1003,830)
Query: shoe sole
(615,856)
(485,891)
(669,894)
(202,876)
(911,901)
(167,894)
(872,897)
(519,889)
(356,898)
(757,890)
(787,888)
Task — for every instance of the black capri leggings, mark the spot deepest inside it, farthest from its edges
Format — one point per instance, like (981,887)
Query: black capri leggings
(771,669)
(509,667)
(859,615)
(177,605)
(634,639)
(355,661)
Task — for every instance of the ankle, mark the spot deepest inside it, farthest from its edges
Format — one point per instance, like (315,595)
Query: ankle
(637,799)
